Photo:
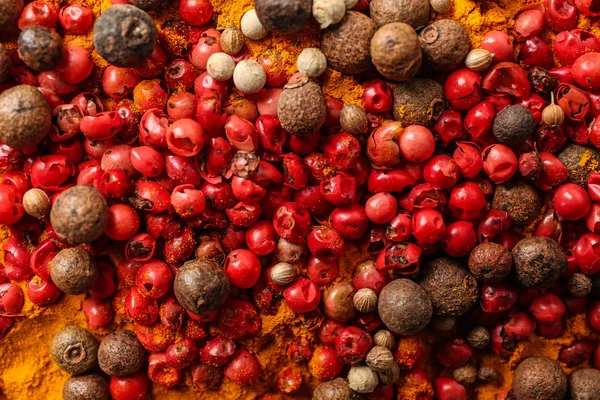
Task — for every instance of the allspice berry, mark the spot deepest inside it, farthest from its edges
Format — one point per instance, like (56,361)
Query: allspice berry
(490,262)
(40,48)
(418,102)
(514,125)
(479,338)
(353,119)
(380,358)
(232,40)
(283,273)
(74,350)
(347,45)
(36,203)
(362,379)
(465,375)
(404,307)
(365,300)
(201,286)
(487,374)
(520,200)
(539,378)
(10,11)
(73,271)
(335,389)
(538,262)
(412,12)
(86,387)
(584,384)
(440,6)
(121,353)
(284,16)
(79,214)
(579,285)
(5,64)
(396,51)
(25,116)
(385,338)
(301,109)
(147,5)
(125,36)
(445,45)
(452,290)
(443,324)
(580,161)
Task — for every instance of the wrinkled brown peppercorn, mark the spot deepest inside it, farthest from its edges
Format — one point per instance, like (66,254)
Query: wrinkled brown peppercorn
(201,286)
(74,350)
(538,262)
(284,16)
(40,48)
(580,162)
(584,384)
(487,374)
(452,290)
(445,44)
(125,36)
(73,271)
(121,353)
(10,10)
(479,338)
(301,108)
(541,80)
(347,45)
(539,378)
(514,125)
(5,64)
(520,200)
(404,307)
(396,51)
(418,102)
(86,387)
(490,262)
(336,389)
(412,12)
(579,285)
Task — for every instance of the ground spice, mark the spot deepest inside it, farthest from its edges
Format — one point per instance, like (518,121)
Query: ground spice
(26,370)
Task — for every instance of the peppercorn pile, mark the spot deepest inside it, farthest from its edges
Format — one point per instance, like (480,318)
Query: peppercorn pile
(200,197)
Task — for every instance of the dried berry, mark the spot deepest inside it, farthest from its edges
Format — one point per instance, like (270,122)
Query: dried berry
(5,64)
(73,271)
(490,262)
(36,203)
(354,119)
(86,387)
(125,36)
(284,16)
(283,273)
(479,338)
(538,262)
(380,358)
(465,375)
(74,350)
(579,285)
(514,125)
(391,375)
(362,379)
(147,5)
(580,161)
(301,108)
(121,353)
(412,12)
(404,307)
(584,384)
(365,300)
(328,12)
(445,45)
(384,338)
(251,26)
(396,51)
(25,116)
(539,378)
(520,200)
(418,102)
(336,389)
(10,10)
(312,62)
(201,286)
(479,60)
(232,40)
(347,44)
(452,290)
(79,214)
(40,48)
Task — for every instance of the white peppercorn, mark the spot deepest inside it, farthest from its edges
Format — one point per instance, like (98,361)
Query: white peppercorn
(365,300)
(312,62)
(380,358)
(328,12)
(220,66)
(283,273)
(251,26)
(384,338)
(249,77)
(362,379)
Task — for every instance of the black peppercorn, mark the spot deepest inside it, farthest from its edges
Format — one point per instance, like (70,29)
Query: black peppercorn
(418,102)
(541,80)
(538,262)
(520,200)
(5,64)
(10,10)
(125,36)
(539,378)
(284,16)
(445,45)
(147,5)
(74,350)
(201,286)
(40,48)
(121,353)
(580,162)
(514,125)
(86,387)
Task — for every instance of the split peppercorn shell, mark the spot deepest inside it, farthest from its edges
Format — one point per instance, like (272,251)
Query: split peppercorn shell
(40,48)
(125,36)
(284,16)
(25,116)
(302,109)
(74,350)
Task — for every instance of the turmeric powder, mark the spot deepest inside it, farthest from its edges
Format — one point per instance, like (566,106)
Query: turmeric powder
(26,369)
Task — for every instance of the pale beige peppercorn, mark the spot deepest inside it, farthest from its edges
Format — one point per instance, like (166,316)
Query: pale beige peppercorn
(365,300)
(36,203)
(380,358)
(384,338)
(249,77)
(251,26)
(283,273)
(353,119)
(362,379)
(232,40)
(220,67)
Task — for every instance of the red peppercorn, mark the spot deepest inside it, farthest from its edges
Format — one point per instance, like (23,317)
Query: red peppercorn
(130,387)
(43,293)
(499,162)
(507,78)
(428,226)
(547,309)
(463,89)
(99,313)
(571,202)
(499,297)
(325,364)
(585,71)
(416,143)
(577,353)
(467,200)
(499,44)
(325,243)
(448,389)
(479,119)
(243,268)
(243,369)
(459,239)
(561,14)
(38,13)
(381,208)
(320,271)
(302,296)
(519,326)
(352,345)
(123,222)
(593,316)
(377,97)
